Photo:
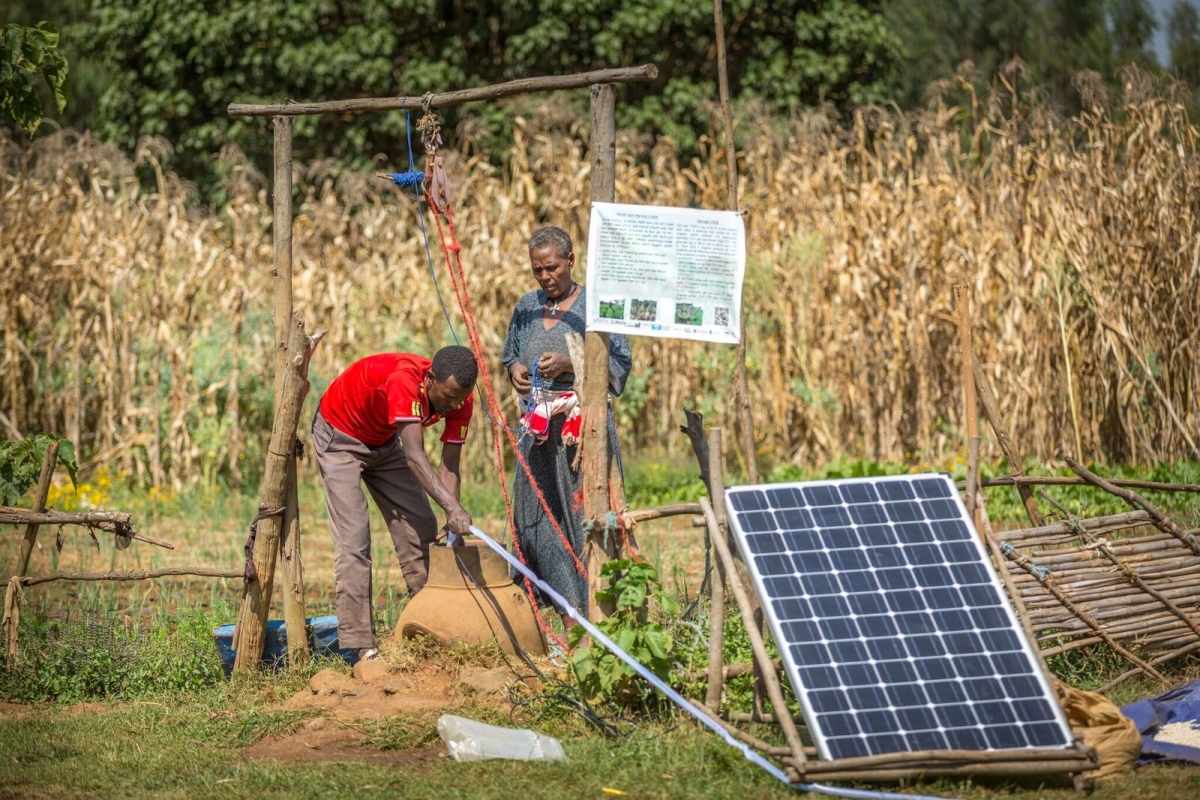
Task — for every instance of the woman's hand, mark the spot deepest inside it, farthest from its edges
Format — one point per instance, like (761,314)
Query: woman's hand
(552,365)
(518,376)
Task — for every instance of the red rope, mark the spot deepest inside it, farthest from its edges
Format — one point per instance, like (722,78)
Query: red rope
(458,280)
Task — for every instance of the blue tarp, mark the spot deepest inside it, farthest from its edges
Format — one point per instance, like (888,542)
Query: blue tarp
(1180,710)
(322,640)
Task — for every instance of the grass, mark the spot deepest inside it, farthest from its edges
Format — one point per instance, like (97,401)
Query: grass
(191,747)
(159,719)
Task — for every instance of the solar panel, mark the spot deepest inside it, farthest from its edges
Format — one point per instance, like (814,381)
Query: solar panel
(892,625)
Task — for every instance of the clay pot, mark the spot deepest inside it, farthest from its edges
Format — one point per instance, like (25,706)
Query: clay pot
(470,599)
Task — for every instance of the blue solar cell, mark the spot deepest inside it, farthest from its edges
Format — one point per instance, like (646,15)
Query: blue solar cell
(880,721)
(868,515)
(820,583)
(771,565)
(940,509)
(791,608)
(748,500)
(868,603)
(801,541)
(896,579)
(830,517)
(920,554)
(967,739)
(895,490)
(954,619)
(757,521)
(951,530)
(882,558)
(794,519)
(816,678)
(913,533)
(766,543)
(821,495)
(881,646)
(830,605)
(848,652)
(786,497)
(839,628)
(858,493)
(932,487)
(892,626)
(858,582)
(810,561)
(858,675)
(904,511)
(849,560)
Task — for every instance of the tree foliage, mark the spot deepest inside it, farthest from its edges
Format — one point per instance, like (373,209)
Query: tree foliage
(1054,38)
(1183,32)
(26,53)
(176,64)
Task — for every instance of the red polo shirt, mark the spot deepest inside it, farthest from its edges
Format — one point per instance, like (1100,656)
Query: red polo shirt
(374,393)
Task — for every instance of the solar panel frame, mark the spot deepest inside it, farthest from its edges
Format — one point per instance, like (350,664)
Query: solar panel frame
(873,688)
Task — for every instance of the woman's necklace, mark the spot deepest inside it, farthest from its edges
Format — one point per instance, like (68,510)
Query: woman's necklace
(554,308)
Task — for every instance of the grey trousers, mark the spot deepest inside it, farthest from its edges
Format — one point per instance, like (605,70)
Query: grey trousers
(345,464)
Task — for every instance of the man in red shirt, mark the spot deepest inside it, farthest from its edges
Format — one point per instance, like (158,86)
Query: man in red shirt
(368,429)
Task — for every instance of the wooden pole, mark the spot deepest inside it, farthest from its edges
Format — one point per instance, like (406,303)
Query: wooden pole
(416,102)
(774,690)
(136,575)
(289,539)
(39,505)
(1014,595)
(256,595)
(745,419)
(1137,501)
(962,299)
(1055,480)
(991,410)
(597,459)
(716,634)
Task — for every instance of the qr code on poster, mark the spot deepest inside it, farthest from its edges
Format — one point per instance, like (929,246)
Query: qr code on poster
(721,316)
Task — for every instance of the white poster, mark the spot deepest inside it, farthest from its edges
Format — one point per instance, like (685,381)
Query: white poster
(672,272)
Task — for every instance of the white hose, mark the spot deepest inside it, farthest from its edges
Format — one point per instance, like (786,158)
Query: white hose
(747,752)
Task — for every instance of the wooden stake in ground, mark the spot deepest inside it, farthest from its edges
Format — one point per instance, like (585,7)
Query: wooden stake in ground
(716,632)
(256,595)
(745,420)
(39,505)
(962,299)
(599,547)
(289,539)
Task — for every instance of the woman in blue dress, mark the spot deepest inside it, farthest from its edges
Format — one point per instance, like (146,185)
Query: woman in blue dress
(535,350)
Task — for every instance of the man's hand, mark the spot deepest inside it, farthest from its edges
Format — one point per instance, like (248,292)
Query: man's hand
(518,376)
(552,365)
(459,521)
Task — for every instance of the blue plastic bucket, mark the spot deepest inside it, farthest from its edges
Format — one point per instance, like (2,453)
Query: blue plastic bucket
(322,640)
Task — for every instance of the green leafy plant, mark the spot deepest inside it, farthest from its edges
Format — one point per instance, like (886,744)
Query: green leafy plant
(21,463)
(24,53)
(598,672)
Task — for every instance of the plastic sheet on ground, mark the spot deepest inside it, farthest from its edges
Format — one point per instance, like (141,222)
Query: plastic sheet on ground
(1169,724)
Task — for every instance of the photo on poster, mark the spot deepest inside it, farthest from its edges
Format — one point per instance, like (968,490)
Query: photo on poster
(688,314)
(613,309)
(643,310)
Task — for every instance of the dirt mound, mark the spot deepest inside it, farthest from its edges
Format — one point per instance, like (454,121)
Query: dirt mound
(377,690)
(323,741)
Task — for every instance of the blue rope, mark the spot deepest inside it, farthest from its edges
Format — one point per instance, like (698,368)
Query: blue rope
(408,180)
